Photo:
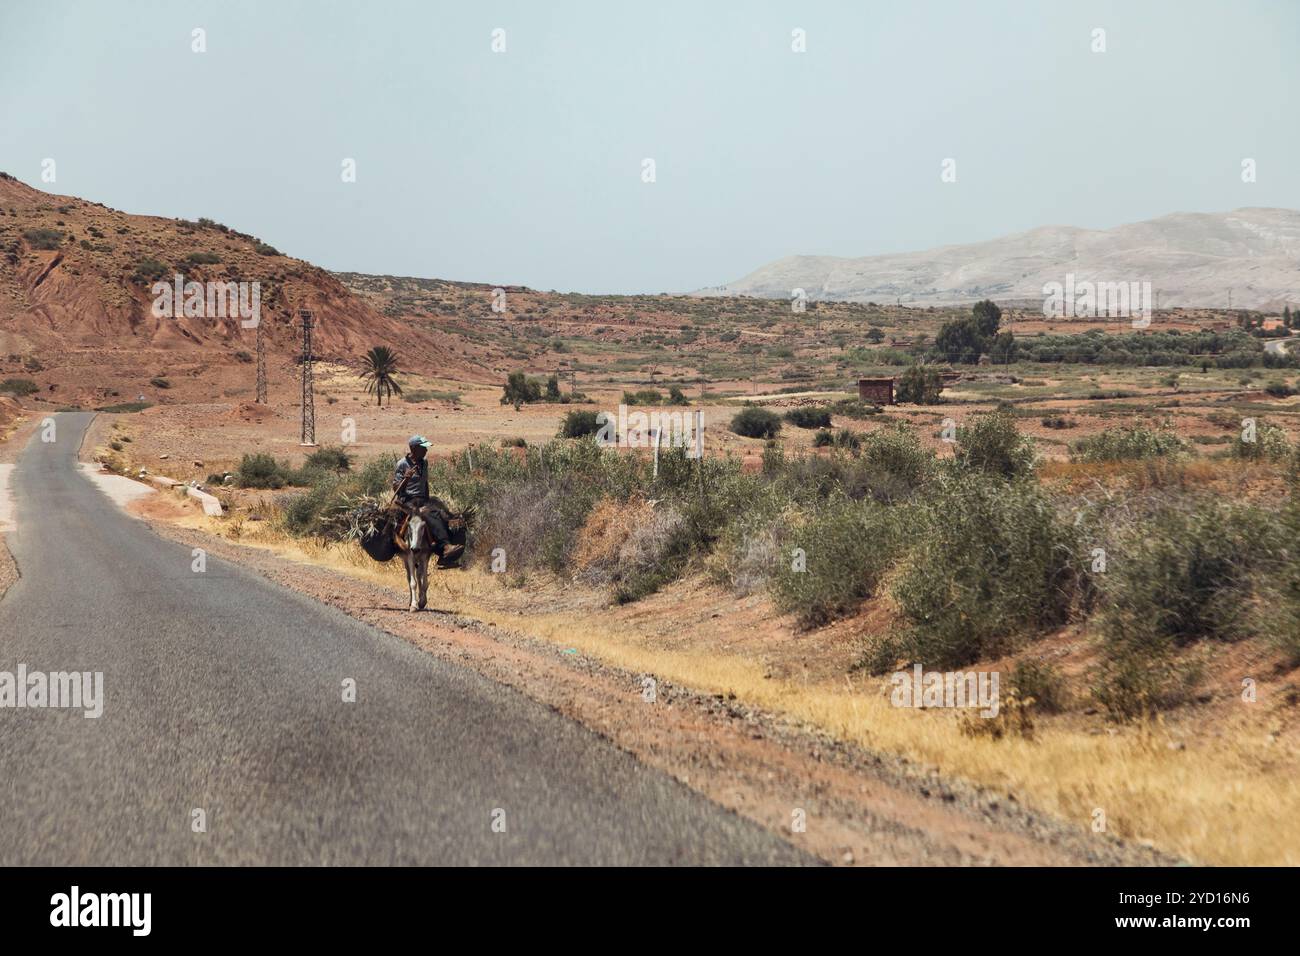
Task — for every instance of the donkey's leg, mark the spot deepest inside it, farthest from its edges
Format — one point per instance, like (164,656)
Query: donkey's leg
(422,572)
(411,576)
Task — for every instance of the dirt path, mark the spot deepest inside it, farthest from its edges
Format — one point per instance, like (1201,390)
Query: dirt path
(842,803)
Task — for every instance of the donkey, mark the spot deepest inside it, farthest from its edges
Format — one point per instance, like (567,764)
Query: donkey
(416,545)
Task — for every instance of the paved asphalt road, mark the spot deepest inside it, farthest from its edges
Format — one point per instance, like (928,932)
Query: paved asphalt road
(223,691)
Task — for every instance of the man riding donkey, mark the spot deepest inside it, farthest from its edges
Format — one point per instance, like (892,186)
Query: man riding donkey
(411,485)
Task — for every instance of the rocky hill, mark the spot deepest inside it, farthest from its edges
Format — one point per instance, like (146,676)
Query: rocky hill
(77,295)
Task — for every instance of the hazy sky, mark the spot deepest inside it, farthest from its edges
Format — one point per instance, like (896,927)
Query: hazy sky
(526,166)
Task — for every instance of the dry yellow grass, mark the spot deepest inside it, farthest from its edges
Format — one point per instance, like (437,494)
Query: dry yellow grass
(1228,798)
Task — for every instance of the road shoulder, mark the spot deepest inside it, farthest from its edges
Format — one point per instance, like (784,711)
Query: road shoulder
(837,801)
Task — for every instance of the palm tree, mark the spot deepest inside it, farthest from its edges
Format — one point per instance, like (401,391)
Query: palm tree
(378,367)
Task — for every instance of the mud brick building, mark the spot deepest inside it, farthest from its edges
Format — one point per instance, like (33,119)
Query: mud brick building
(879,391)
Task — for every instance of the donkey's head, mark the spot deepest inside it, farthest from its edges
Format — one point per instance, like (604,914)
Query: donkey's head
(415,536)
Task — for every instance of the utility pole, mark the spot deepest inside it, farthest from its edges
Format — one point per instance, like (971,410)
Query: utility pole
(308,386)
(261,365)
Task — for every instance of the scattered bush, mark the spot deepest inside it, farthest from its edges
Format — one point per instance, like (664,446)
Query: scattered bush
(646,396)
(848,439)
(328,458)
(148,271)
(1260,441)
(754,422)
(991,443)
(419,396)
(991,562)
(1186,574)
(807,417)
(835,560)
(1128,444)
(262,471)
(919,385)
(44,239)
(854,408)
(521,390)
(579,422)
(19,387)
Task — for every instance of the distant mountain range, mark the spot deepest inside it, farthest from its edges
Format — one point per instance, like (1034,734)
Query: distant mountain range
(1191,260)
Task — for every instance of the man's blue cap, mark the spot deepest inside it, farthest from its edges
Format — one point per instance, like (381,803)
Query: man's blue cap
(420,441)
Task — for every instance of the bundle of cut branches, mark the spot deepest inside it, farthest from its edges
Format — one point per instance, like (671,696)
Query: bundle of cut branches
(359,517)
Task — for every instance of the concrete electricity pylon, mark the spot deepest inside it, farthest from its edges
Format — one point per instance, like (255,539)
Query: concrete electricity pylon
(308,385)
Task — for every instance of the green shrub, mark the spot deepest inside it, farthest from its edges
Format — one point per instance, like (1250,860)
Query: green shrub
(45,239)
(306,513)
(149,270)
(991,443)
(754,422)
(848,439)
(262,471)
(919,385)
(1268,443)
(1186,574)
(992,562)
(1190,573)
(807,417)
(827,566)
(579,422)
(322,509)
(854,408)
(1128,444)
(896,450)
(203,258)
(19,387)
(418,396)
(265,249)
(329,458)
(646,396)
(823,439)
(521,390)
